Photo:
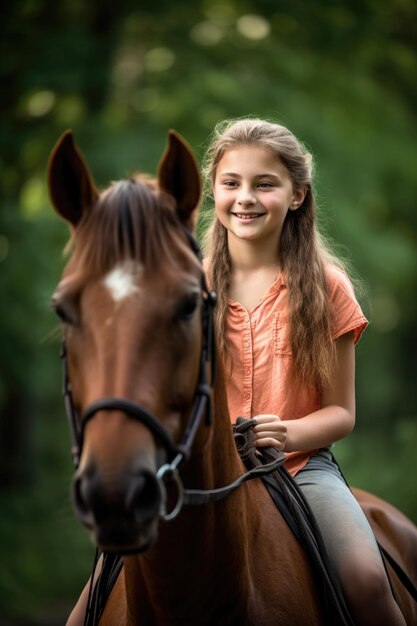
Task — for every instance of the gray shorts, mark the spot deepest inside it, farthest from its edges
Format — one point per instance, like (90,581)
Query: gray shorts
(346,532)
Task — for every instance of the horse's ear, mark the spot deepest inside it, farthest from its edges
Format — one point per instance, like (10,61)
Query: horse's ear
(71,187)
(178,175)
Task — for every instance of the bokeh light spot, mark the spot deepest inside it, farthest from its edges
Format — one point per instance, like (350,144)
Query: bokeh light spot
(159,59)
(70,109)
(221,12)
(33,198)
(253,27)
(41,103)
(207,33)
(127,68)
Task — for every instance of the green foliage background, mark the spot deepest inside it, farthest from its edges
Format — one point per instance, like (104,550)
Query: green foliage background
(340,74)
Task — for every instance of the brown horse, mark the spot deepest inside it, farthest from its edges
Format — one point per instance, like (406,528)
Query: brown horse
(133,302)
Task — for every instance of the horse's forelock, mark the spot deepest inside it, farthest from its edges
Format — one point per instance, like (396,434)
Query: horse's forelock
(130,220)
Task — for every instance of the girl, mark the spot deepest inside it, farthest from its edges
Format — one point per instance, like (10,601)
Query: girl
(287,321)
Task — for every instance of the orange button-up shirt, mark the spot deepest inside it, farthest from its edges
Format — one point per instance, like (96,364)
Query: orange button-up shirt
(261,355)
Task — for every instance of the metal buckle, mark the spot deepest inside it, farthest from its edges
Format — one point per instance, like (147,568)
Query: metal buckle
(169,473)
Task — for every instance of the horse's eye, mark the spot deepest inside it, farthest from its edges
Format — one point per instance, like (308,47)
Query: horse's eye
(186,307)
(62,312)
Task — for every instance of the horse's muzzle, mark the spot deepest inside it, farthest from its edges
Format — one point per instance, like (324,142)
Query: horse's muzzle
(122,511)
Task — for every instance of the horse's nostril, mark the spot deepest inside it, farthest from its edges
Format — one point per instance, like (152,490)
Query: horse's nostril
(144,497)
(92,501)
(80,501)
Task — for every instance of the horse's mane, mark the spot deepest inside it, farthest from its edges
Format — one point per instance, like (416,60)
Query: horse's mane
(131,220)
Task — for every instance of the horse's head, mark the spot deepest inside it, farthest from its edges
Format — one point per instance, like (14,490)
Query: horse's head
(130,299)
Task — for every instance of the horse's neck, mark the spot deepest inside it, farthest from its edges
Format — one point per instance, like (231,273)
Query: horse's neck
(205,543)
(232,562)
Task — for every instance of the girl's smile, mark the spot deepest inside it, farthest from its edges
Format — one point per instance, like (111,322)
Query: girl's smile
(248,217)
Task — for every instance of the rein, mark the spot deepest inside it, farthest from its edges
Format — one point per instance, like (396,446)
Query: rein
(177,452)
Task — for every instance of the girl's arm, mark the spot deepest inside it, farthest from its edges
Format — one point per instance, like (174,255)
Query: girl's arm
(77,616)
(332,422)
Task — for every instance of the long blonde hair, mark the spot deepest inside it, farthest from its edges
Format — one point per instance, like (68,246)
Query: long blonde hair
(304,254)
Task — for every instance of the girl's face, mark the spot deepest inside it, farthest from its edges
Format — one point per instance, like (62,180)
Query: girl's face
(253,192)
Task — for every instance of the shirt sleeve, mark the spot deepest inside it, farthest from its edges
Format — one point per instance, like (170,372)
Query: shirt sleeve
(347,313)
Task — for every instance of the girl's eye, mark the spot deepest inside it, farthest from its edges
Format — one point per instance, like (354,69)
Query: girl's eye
(265,185)
(230,183)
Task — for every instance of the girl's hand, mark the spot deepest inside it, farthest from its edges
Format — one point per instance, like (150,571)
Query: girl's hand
(270,431)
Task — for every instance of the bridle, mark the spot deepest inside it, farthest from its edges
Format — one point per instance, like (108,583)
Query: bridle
(202,405)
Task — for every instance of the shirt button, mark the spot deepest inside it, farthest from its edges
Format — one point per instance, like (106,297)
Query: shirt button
(248,370)
(246,343)
(246,396)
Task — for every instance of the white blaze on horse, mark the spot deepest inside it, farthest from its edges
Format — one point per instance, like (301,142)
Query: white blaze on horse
(135,306)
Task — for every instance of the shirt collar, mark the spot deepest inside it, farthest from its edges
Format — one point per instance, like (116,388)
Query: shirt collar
(279,283)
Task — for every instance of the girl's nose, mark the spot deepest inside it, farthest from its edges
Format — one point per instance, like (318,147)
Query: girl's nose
(246,198)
